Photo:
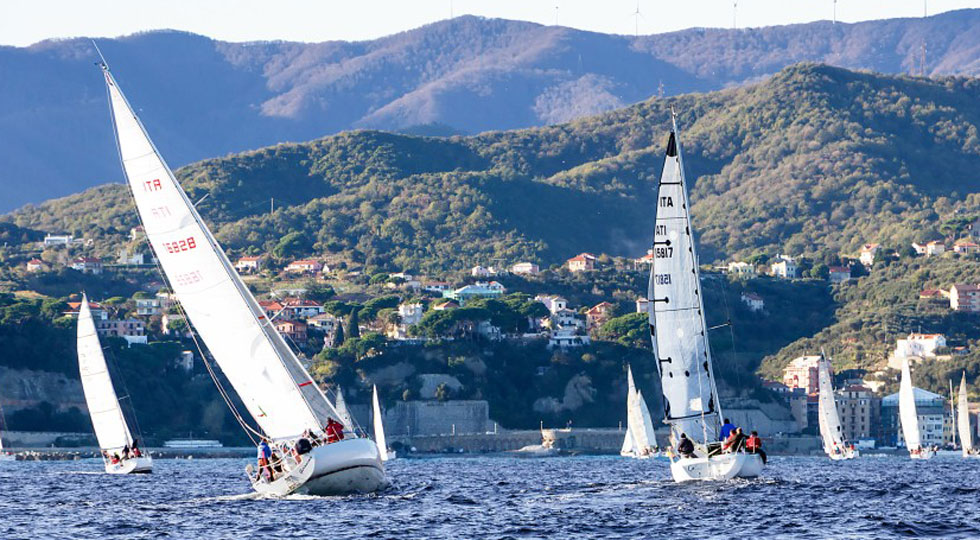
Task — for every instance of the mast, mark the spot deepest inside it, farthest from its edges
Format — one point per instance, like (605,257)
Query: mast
(677,324)
(108,421)
(275,388)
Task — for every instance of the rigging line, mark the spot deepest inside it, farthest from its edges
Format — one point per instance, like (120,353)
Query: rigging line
(132,405)
(731,330)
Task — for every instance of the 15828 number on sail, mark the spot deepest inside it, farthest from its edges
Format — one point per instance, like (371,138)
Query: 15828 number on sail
(180,245)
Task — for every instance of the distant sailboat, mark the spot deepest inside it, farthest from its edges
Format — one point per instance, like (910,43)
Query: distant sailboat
(276,389)
(4,455)
(909,417)
(640,440)
(963,421)
(108,420)
(379,428)
(679,334)
(830,427)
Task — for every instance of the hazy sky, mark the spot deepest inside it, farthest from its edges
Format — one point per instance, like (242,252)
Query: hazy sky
(23,22)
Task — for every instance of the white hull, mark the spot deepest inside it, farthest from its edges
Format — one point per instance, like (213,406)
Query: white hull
(645,455)
(340,468)
(849,454)
(970,456)
(140,465)
(720,467)
(924,454)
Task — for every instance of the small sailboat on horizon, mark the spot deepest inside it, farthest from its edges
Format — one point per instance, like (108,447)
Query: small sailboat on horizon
(963,422)
(5,455)
(678,330)
(640,441)
(120,452)
(303,444)
(909,417)
(831,431)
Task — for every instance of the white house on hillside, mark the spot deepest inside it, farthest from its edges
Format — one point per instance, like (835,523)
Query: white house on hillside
(753,301)
(868,254)
(917,345)
(784,267)
(525,268)
(742,269)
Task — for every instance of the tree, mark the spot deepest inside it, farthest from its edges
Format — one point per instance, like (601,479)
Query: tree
(353,325)
(290,245)
(338,336)
(442,392)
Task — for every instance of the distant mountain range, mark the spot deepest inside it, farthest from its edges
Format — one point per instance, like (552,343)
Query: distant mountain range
(202,98)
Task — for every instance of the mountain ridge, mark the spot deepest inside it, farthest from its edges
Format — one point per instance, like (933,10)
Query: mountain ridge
(462,75)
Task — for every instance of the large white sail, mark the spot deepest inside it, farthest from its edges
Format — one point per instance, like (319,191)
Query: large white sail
(379,428)
(906,409)
(100,396)
(963,418)
(343,411)
(677,325)
(275,388)
(830,428)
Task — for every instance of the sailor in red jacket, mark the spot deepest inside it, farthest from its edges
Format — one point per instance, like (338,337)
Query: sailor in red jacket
(334,431)
(753,445)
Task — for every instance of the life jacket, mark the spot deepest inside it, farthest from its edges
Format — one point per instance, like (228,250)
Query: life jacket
(753,443)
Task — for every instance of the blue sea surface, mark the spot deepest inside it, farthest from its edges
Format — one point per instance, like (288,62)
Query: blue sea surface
(498,498)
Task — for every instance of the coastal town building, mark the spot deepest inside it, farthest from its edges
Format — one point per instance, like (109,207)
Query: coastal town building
(525,268)
(132,330)
(784,267)
(646,260)
(965,297)
(409,315)
(249,264)
(298,308)
(448,304)
(933,294)
(304,266)
(52,240)
(293,330)
(480,289)
(975,230)
(148,307)
(839,274)
(869,252)
(564,318)
(741,269)
(966,247)
(481,272)
(36,265)
(929,249)
(567,337)
(642,305)
(753,301)
(554,303)
(98,311)
(859,410)
(931,409)
(582,262)
(917,346)
(175,324)
(87,265)
(136,233)
(437,287)
(802,372)
(599,314)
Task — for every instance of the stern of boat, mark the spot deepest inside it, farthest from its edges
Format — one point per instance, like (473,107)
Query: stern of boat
(140,465)
(340,468)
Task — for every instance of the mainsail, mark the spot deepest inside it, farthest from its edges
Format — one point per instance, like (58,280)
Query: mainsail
(830,428)
(906,409)
(275,388)
(100,396)
(963,418)
(677,325)
(379,428)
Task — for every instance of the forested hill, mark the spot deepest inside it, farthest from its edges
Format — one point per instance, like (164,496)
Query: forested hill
(814,162)
(204,98)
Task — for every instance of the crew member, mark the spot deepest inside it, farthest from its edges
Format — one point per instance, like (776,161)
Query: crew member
(753,445)
(685,447)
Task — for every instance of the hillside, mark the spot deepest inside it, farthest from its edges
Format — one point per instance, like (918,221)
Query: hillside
(813,163)
(203,98)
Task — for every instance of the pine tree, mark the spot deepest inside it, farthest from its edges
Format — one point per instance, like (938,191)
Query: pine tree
(352,325)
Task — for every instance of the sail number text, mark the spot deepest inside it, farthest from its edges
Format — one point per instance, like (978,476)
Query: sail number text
(660,230)
(180,245)
(663,252)
(666,202)
(661,279)
(188,278)
(152,185)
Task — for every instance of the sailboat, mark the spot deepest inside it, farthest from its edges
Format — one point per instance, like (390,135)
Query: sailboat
(111,429)
(963,422)
(278,392)
(4,455)
(830,427)
(909,417)
(379,428)
(640,440)
(679,335)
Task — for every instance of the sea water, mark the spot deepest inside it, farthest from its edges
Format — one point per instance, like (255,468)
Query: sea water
(495,497)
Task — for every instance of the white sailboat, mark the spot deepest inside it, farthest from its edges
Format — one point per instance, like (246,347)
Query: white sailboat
(830,427)
(379,428)
(963,422)
(640,440)
(679,334)
(111,429)
(341,405)
(4,455)
(278,392)
(909,417)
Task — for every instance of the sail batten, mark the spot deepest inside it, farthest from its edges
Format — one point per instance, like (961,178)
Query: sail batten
(268,377)
(108,421)
(677,324)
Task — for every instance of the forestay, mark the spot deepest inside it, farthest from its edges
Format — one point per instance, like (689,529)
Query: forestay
(379,428)
(677,324)
(273,385)
(906,409)
(963,418)
(100,396)
(830,428)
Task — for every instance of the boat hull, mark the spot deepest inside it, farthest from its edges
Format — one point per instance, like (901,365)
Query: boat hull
(850,454)
(925,454)
(340,468)
(720,467)
(140,465)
